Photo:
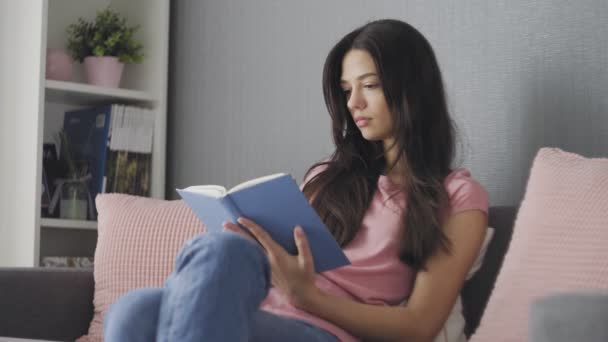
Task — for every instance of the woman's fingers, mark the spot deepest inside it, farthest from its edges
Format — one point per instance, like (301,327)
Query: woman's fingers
(262,236)
(235,228)
(304,254)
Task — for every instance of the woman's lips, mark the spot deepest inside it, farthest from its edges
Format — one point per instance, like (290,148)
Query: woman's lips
(361,121)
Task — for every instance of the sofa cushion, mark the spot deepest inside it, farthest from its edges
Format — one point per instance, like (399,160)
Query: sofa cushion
(476,290)
(568,317)
(138,240)
(454,328)
(559,242)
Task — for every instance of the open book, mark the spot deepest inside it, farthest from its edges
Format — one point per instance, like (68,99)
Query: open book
(276,203)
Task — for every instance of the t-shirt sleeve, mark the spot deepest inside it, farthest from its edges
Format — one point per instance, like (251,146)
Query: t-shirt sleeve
(465,193)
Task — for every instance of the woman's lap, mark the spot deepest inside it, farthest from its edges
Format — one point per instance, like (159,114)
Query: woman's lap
(191,306)
(269,327)
(135,316)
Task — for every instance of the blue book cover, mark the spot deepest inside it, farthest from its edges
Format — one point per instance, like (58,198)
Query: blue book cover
(274,202)
(87,130)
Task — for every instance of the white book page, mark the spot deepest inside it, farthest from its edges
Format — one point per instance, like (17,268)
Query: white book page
(216,191)
(255,181)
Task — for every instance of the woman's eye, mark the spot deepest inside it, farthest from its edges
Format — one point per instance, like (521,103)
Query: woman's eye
(346,92)
(371,86)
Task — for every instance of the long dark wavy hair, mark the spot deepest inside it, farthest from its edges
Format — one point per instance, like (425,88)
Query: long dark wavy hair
(424,137)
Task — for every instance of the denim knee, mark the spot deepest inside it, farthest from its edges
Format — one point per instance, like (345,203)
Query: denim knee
(135,314)
(221,247)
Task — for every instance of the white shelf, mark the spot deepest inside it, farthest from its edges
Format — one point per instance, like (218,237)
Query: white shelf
(70,224)
(81,93)
(37,108)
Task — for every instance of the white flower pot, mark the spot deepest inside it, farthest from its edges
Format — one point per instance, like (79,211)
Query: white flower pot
(103,71)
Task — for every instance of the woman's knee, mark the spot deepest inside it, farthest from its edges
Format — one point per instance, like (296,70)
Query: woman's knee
(219,246)
(136,311)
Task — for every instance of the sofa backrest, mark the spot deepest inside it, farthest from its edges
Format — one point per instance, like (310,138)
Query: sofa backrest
(45,303)
(22,294)
(477,290)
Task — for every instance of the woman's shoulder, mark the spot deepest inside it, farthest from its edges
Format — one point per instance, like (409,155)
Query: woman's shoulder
(315,169)
(465,192)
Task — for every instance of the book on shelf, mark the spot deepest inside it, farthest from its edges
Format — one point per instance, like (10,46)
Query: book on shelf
(114,144)
(276,203)
(51,169)
(86,130)
(129,150)
(129,173)
(45,190)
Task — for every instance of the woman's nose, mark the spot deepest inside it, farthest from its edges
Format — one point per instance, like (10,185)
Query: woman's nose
(356,100)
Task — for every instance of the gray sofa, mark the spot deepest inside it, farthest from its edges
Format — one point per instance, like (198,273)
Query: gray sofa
(57,304)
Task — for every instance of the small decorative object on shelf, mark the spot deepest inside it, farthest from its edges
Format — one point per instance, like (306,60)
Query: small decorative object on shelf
(74,198)
(51,170)
(45,199)
(67,261)
(104,46)
(59,65)
(72,192)
(103,71)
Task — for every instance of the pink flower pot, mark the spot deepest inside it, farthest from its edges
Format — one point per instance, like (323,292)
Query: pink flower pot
(58,65)
(103,71)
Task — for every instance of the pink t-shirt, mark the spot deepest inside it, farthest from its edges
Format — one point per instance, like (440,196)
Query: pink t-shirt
(376,275)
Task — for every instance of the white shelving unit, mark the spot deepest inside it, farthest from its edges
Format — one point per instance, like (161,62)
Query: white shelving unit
(67,224)
(85,94)
(31,110)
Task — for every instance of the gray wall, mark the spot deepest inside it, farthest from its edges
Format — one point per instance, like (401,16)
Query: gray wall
(245,84)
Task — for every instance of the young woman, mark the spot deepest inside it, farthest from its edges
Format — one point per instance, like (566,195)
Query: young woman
(410,225)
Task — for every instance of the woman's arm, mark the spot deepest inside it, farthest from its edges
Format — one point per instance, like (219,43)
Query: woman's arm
(433,296)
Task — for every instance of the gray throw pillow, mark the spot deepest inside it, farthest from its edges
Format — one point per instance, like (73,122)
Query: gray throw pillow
(570,317)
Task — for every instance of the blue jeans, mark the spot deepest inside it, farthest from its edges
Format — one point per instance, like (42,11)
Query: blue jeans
(214,293)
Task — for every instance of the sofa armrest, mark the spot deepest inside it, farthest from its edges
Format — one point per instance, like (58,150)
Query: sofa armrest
(477,290)
(45,303)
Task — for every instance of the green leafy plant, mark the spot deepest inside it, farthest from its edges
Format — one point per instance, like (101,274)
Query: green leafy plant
(66,156)
(109,35)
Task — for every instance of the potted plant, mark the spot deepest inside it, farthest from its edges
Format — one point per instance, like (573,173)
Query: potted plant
(104,46)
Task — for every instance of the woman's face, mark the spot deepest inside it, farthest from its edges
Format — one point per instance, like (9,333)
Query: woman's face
(365,98)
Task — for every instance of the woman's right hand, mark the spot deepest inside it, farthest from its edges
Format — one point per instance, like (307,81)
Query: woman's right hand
(237,229)
(294,275)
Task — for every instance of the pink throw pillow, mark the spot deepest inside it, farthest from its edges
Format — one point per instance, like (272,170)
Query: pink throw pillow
(138,240)
(559,242)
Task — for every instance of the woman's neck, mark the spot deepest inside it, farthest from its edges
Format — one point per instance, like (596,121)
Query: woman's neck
(394,171)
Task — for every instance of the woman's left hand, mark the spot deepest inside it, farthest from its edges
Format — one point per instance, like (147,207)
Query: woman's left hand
(293,274)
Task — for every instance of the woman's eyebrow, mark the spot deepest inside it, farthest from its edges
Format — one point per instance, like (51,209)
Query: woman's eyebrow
(361,77)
